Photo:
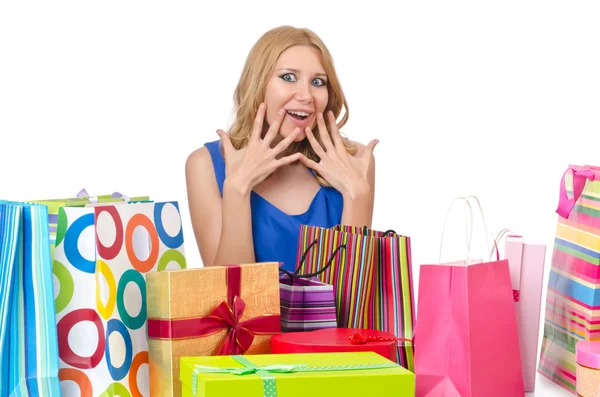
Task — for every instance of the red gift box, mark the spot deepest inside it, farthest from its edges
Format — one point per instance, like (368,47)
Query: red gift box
(333,340)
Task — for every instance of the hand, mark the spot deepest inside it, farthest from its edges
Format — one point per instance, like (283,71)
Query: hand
(344,172)
(249,166)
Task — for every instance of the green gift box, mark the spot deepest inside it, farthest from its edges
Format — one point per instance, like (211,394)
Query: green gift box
(295,375)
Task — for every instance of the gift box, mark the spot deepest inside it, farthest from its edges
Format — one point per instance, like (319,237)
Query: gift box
(306,305)
(337,340)
(296,375)
(216,310)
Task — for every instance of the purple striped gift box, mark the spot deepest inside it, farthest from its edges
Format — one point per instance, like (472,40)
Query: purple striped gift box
(306,305)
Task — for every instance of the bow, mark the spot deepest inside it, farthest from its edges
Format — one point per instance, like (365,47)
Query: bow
(240,335)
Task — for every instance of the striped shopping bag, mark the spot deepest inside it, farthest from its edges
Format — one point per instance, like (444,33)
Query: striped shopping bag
(28,340)
(372,279)
(392,307)
(573,294)
(350,273)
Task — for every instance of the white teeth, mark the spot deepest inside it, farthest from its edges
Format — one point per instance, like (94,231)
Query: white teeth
(302,114)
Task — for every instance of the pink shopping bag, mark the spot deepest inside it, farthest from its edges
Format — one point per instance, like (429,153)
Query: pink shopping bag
(526,262)
(466,340)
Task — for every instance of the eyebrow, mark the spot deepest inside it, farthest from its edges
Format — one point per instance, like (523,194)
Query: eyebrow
(297,71)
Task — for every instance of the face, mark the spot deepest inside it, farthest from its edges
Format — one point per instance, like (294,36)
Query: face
(298,85)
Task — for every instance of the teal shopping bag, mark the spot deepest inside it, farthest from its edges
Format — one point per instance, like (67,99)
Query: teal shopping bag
(28,339)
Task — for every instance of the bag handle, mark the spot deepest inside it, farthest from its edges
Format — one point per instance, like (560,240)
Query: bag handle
(580,177)
(487,234)
(83,193)
(303,261)
(365,232)
(468,227)
(468,217)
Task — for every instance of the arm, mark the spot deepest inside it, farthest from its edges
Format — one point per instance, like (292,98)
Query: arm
(358,205)
(222,226)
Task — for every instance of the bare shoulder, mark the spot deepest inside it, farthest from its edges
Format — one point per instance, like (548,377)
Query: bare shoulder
(204,202)
(199,158)
(199,164)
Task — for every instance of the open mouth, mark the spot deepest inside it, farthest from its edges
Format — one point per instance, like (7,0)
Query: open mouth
(298,115)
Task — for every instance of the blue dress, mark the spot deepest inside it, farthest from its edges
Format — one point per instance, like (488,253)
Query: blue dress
(274,232)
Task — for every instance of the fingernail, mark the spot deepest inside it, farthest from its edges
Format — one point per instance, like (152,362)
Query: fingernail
(281,112)
(261,106)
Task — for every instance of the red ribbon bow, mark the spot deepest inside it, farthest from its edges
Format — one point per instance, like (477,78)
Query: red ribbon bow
(227,315)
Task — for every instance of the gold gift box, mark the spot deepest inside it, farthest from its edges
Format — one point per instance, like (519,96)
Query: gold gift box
(190,294)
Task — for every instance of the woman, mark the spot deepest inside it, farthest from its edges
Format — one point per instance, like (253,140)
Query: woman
(283,162)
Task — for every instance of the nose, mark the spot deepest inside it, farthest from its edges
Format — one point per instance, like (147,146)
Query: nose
(303,94)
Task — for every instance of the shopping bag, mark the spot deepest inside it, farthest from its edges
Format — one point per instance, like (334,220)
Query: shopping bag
(307,304)
(466,340)
(83,366)
(373,280)
(81,200)
(391,308)
(526,263)
(28,341)
(122,293)
(351,272)
(573,297)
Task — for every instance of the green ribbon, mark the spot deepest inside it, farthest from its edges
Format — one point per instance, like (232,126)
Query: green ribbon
(265,372)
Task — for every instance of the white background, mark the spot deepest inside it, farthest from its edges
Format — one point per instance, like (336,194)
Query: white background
(488,98)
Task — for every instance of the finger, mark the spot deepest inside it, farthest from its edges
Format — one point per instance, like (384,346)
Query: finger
(323,133)
(314,143)
(274,128)
(227,146)
(370,148)
(284,161)
(281,146)
(309,163)
(335,131)
(259,122)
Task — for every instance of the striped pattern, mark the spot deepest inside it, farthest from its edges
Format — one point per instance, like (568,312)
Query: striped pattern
(306,305)
(573,296)
(30,367)
(372,279)
(350,273)
(392,308)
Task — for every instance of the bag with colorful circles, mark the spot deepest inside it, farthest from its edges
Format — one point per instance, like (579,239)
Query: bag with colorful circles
(100,262)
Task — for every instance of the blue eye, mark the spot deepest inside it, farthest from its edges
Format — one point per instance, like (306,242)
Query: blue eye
(319,82)
(289,77)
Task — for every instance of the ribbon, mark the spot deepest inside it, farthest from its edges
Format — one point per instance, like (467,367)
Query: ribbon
(265,372)
(226,316)
(358,339)
(580,177)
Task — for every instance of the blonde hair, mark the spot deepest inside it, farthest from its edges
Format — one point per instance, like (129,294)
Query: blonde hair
(258,69)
